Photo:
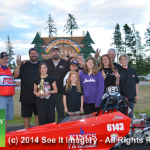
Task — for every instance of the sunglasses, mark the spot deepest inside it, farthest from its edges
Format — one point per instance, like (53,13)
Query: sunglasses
(5,58)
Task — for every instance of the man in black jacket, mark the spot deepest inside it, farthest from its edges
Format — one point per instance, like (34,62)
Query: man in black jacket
(57,68)
(128,82)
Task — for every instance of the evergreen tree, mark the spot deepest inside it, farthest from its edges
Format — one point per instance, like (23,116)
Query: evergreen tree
(38,42)
(9,50)
(147,37)
(138,46)
(71,25)
(140,55)
(118,41)
(87,49)
(51,26)
(129,44)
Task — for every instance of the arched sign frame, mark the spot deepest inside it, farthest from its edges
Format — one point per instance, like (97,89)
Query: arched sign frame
(62,41)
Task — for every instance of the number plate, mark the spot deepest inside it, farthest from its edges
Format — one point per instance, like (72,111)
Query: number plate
(112,89)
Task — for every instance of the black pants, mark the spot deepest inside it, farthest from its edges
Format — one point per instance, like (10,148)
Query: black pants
(59,106)
(89,108)
(46,111)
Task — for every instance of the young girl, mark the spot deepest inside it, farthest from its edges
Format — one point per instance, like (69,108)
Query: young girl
(45,101)
(110,75)
(93,85)
(72,95)
(73,67)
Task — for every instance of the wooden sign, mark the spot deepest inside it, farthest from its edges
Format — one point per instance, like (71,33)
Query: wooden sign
(67,45)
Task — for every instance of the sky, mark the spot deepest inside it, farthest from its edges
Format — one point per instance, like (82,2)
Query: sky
(23,18)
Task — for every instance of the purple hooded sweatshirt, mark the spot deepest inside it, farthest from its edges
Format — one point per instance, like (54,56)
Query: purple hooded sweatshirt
(93,87)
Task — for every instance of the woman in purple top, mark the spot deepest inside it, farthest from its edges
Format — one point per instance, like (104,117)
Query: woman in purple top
(93,86)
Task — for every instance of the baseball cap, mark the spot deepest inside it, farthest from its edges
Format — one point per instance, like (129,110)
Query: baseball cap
(75,62)
(111,49)
(55,48)
(3,54)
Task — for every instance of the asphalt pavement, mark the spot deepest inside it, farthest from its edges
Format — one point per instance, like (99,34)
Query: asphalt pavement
(144,83)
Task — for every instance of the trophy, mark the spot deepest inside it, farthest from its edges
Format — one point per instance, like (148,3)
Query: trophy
(41,87)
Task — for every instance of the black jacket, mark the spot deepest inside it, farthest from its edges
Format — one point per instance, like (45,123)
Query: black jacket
(128,81)
(57,72)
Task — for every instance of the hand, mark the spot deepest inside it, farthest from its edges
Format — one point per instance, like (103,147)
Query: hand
(37,94)
(66,58)
(97,54)
(18,60)
(66,110)
(103,74)
(24,61)
(73,55)
(81,63)
(117,75)
(136,99)
(81,109)
(79,71)
(45,93)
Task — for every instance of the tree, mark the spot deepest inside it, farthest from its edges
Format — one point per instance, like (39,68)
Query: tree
(138,46)
(147,37)
(129,43)
(9,50)
(118,41)
(38,42)
(87,49)
(71,25)
(51,26)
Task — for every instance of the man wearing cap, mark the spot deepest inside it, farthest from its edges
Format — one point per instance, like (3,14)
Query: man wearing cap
(7,88)
(27,73)
(57,68)
(73,67)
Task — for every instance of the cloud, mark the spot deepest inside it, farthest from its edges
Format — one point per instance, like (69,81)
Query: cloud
(22,19)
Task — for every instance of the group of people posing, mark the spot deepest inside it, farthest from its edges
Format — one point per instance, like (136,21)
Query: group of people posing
(73,86)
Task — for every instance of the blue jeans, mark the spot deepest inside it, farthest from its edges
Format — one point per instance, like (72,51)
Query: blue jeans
(6,102)
(131,106)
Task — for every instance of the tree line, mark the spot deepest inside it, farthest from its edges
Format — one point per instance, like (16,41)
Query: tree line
(131,45)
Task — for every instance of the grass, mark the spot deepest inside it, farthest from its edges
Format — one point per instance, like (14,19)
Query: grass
(142,106)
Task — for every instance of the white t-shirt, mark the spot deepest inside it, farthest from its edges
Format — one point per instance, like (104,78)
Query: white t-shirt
(65,78)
